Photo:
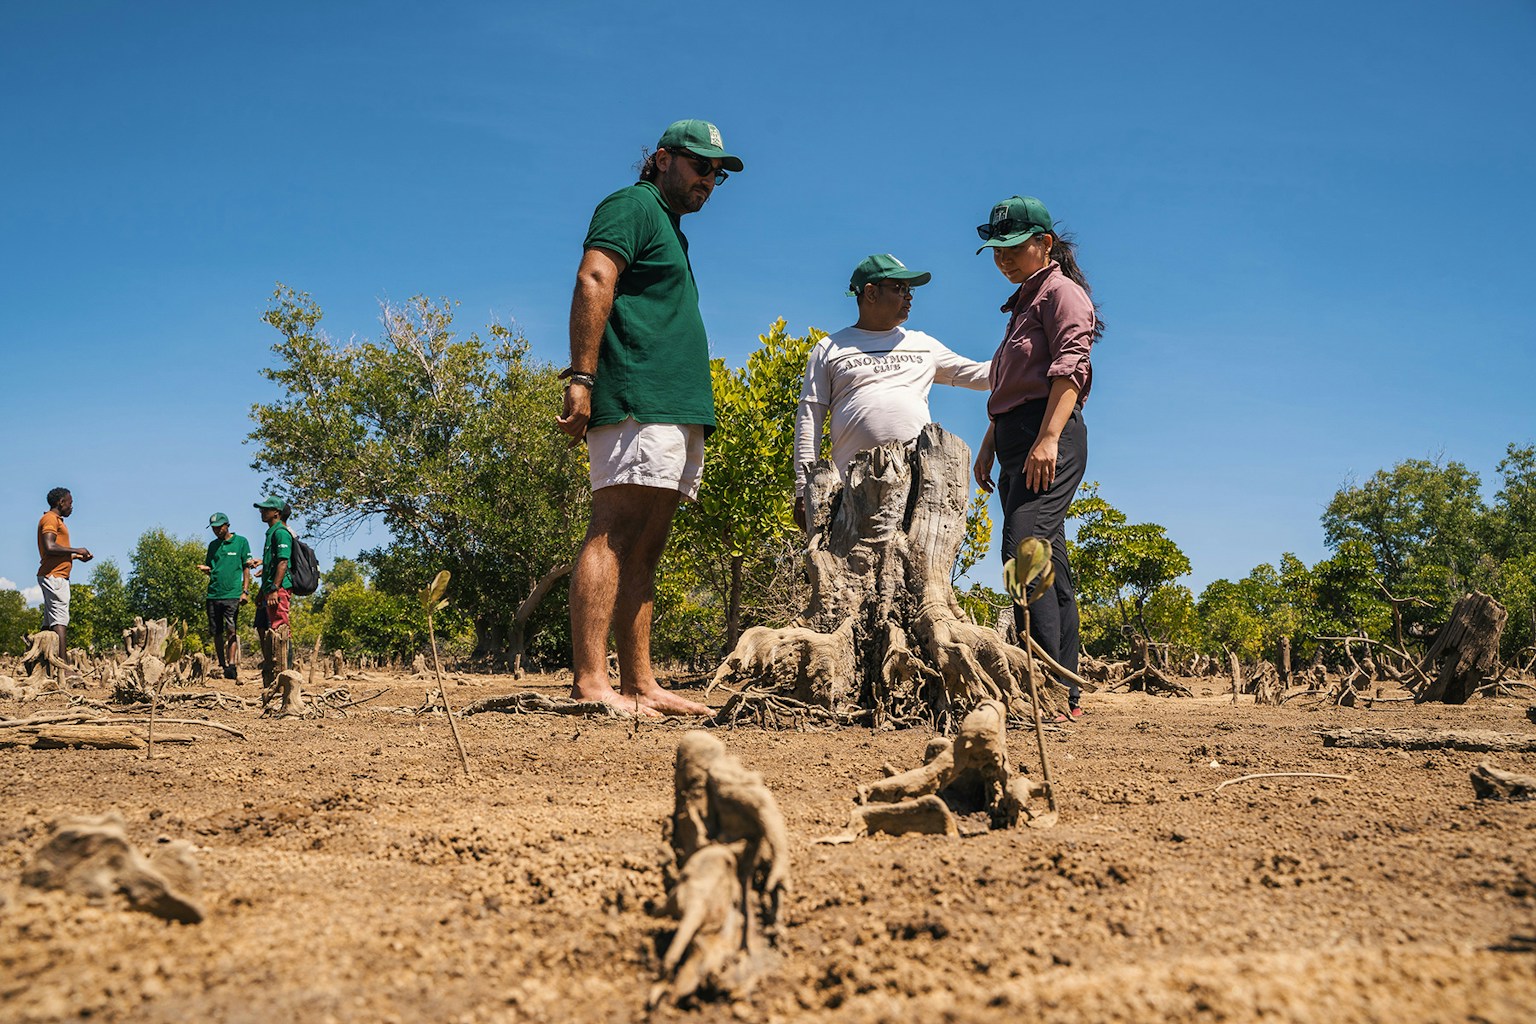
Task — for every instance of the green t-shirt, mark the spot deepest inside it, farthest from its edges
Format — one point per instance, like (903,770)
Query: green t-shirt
(654,362)
(277,547)
(226,567)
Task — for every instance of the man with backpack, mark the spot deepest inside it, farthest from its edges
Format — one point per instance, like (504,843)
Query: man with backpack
(272,599)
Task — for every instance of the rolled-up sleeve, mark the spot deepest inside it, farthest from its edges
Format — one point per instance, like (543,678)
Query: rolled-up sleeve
(1069,322)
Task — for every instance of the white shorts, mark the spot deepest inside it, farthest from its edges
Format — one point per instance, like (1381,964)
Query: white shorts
(55,600)
(669,455)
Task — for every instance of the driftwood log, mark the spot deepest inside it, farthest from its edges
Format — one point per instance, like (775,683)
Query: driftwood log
(1476,740)
(883,632)
(1465,653)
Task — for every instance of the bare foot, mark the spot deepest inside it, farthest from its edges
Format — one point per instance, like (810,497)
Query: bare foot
(623,703)
(668,703)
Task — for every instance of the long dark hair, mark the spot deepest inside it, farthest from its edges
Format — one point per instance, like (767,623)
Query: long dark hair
(1064,252)
(647,165)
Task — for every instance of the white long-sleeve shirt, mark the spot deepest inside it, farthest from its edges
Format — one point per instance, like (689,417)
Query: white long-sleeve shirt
(876,384)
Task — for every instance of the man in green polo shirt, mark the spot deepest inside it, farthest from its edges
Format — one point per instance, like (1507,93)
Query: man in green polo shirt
(638,390)
(272,601)
(229,584)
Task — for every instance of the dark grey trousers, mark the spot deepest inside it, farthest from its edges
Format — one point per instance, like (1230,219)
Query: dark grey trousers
(1027,513)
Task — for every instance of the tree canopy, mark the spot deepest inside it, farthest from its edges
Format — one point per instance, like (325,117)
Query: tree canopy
(446,440)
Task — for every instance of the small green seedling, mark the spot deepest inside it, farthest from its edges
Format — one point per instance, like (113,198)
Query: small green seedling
(1031,563)
(433,601)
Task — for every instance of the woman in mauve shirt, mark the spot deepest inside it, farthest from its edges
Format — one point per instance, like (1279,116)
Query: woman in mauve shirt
(1040,379)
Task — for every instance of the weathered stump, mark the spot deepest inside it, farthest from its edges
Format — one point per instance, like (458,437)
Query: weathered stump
(731,870)
(1267,685)
(1465,653)
(146,637)
(43,659)
(138,675)
(883,631)
(969,777)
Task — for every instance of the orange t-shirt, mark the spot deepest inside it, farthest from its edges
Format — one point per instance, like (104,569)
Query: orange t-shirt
(53,565)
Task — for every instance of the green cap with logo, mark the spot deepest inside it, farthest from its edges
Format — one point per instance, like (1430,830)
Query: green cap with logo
(273,502)
(700,138)
(1014,221)
(884,267)
(217,520)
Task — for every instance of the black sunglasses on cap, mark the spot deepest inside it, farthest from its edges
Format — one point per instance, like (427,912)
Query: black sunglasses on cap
(702,167)
(1003,228)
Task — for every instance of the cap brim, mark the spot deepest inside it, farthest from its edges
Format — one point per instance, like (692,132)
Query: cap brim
(730,163)
(912,277)
(1009,241)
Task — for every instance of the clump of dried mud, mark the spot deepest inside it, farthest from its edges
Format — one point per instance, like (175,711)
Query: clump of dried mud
(350,872)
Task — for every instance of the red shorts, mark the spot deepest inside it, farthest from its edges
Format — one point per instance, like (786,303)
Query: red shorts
(268,616)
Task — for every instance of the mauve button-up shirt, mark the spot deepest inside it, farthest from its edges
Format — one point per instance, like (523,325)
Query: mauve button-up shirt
(1050,329)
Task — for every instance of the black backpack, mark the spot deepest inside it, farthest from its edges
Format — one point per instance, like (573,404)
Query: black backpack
(303,568)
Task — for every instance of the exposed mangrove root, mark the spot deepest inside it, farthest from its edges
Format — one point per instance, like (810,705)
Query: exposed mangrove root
(531,703)
(965,777)
(731,857)
(1282,775)
(93,857)
(775,711)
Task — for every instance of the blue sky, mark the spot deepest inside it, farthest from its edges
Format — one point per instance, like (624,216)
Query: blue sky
(1309,225)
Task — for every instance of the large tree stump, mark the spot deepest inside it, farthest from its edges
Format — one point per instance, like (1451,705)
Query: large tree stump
(43,659)
(144,667)
(1465,653)
(883,632)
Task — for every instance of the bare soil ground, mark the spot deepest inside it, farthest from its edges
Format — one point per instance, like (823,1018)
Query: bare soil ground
(352,874)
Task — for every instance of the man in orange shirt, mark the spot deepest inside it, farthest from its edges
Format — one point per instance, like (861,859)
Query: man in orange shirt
(55,558)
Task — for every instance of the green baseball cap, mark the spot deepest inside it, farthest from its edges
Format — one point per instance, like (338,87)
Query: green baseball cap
(217,520)
(273,502)
(884,267)
(1014,221)
(701,138)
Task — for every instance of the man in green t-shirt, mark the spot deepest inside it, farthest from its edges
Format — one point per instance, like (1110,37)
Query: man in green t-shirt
(638,390)
(229,584)
(272,599)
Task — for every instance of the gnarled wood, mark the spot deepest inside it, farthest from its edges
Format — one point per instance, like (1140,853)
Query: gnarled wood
(882,632)
(1465,652)
(43,659)
(731,851)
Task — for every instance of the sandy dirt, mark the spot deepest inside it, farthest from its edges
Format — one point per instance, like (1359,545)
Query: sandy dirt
(351,873)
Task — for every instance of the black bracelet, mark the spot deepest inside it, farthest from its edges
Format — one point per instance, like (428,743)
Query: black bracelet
(585,379)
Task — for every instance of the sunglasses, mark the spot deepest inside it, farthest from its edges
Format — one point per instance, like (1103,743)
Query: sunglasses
(1003,228)
(900,288)
(702,167)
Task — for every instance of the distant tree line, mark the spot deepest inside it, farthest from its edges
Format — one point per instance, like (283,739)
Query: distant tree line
(447,441)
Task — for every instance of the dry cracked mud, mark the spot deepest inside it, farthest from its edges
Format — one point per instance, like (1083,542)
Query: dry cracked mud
(350,873)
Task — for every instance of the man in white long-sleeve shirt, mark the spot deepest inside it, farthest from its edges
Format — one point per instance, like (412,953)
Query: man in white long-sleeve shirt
(875,375)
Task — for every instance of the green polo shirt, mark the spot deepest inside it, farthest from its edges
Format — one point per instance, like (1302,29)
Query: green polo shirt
(277,547)
(654,362)
(226,567)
